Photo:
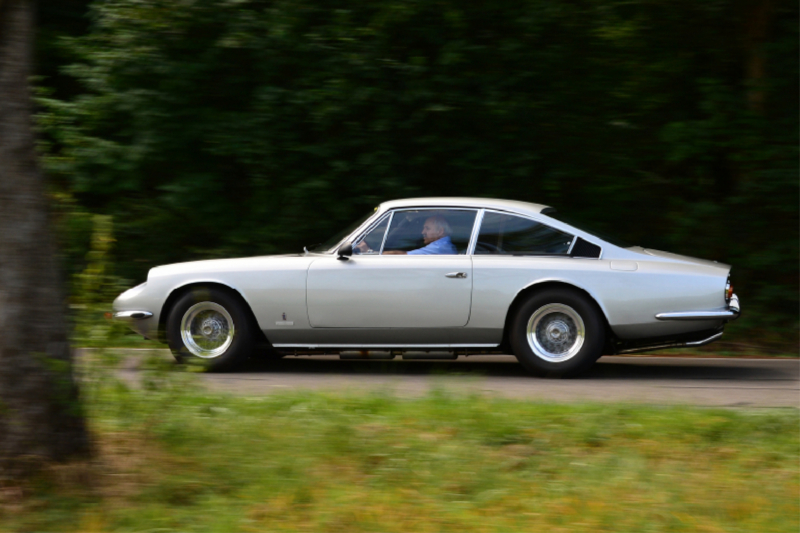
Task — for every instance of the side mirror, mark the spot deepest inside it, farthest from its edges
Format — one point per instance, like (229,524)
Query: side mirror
(345,252)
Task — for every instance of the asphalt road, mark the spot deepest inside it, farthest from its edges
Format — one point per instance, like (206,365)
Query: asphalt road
(730,382)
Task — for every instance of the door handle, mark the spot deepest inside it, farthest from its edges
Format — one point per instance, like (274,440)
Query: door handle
(459,275)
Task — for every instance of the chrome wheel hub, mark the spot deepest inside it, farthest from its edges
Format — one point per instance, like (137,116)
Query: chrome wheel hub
(207,330)
(211,328)
(556,332)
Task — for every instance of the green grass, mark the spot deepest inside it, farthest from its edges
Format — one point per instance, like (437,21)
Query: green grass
(174,458)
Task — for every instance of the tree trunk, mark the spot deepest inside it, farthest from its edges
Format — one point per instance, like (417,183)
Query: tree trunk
(40,413)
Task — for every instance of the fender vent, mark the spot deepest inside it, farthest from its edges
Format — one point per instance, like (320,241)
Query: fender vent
(584,248)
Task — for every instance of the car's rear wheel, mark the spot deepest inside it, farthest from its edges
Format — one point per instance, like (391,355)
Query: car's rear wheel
(557,332)
(210,327)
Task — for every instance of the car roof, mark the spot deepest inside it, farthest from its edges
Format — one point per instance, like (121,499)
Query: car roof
(488,203)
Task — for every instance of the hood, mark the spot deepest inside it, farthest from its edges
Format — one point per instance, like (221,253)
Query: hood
(224,265)
(679,258)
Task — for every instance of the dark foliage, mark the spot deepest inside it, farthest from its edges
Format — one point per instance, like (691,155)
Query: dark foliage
(220,127)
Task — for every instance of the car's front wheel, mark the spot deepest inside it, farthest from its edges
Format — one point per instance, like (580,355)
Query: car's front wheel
(557,332)
(210,327)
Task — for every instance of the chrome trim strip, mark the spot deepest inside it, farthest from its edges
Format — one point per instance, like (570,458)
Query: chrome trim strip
(559,256)
(572,245)
(132,315)
(386,233)
(473,239)
(696,315)
(692,344)
(392,346)
(732,313)
(436,208)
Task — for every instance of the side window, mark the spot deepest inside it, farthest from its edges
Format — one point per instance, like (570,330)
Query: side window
(373,239)
(512,235)
(430,232)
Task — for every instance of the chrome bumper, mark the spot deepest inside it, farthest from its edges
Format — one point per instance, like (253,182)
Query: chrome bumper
(129,316)
(731,313)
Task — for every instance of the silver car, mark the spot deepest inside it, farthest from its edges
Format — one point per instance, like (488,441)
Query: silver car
(453,275)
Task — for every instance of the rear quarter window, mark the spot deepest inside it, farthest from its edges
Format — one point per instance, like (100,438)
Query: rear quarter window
(503,234)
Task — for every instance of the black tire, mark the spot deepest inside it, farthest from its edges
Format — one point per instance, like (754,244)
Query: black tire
(224,332)
(552,347)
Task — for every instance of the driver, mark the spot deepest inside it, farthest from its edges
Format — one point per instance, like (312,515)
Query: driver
(436,235)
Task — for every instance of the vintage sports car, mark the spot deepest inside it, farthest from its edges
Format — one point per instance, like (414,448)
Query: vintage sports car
(453,275)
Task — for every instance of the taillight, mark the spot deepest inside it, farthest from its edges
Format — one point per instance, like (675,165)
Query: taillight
(728,290)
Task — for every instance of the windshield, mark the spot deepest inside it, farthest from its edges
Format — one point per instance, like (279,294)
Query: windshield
(587,228)
(337,239)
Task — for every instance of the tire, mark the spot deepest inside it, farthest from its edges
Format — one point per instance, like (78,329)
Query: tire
(210,327)
(557,333)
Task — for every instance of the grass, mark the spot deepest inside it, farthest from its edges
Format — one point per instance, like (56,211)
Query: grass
(172,457)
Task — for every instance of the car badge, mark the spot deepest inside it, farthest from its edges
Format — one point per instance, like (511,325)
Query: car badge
(284,322)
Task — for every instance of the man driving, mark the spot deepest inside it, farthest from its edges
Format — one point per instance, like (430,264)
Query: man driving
(436,235)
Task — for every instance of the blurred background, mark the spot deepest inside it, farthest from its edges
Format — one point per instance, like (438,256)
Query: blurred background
(174,130)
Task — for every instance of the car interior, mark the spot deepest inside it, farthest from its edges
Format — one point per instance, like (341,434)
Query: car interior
(406,231)
(500,234)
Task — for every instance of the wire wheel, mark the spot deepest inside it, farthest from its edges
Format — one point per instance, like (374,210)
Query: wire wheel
(207,330)
(556,332)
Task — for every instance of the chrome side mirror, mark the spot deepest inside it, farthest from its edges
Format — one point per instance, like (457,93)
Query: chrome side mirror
(345,252)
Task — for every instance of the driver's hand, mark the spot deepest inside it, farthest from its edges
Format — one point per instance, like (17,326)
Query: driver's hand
(361,247)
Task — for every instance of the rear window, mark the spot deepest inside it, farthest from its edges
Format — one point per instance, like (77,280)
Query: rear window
(503,234)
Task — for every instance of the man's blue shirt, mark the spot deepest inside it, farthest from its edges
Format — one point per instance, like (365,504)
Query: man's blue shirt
(443,246)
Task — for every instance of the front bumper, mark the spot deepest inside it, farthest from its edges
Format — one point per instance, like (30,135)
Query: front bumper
(732,311)
(130,316)
(142,322)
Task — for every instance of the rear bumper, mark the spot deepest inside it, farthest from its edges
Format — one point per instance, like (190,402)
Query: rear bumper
(730,313)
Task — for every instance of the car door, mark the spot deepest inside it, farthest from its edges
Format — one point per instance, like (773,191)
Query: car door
(376,289)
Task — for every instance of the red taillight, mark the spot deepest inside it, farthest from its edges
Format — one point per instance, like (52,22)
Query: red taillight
(728,290)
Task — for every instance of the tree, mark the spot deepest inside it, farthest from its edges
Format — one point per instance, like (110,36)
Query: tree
(252,127)
(40,415)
